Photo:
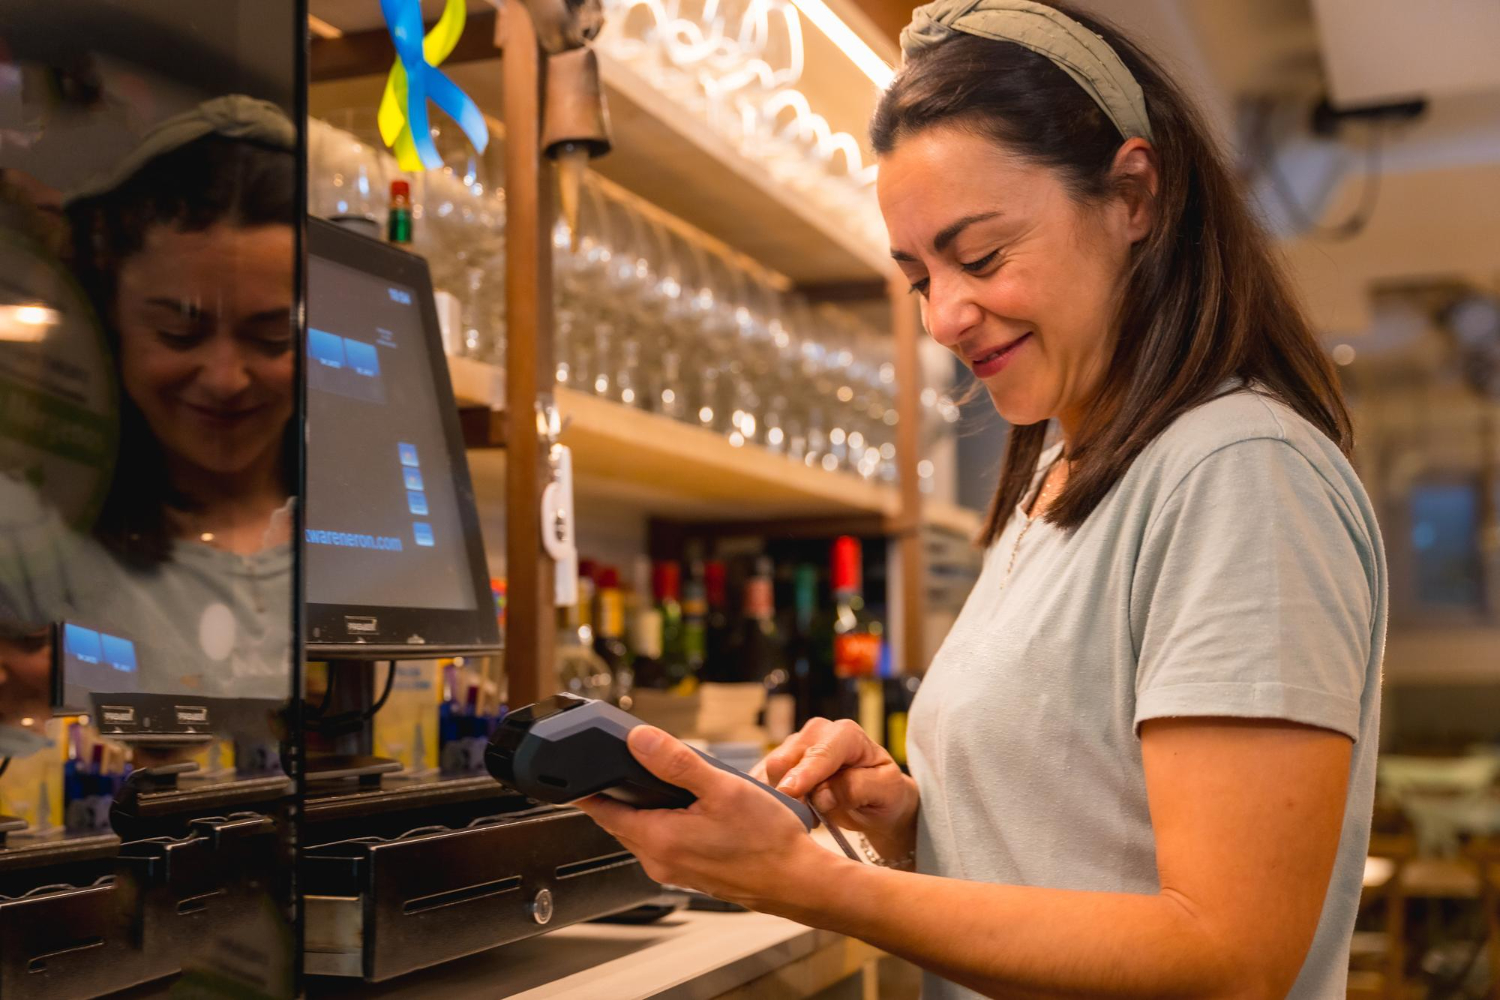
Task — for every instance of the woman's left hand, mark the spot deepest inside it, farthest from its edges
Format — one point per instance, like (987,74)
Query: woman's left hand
(736,842)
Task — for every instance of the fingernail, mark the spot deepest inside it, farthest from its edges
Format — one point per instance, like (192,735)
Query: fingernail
(788,783)
(645,738)
(824,801)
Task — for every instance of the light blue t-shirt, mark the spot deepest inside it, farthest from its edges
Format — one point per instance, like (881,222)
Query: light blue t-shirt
(1236,570)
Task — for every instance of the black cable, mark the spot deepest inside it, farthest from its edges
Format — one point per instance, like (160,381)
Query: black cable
(1368,198)
(390,682)
(327,693)
(4,764)
(349,722)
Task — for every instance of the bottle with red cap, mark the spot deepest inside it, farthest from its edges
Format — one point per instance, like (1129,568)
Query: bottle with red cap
(398,222)
(666,585)
(858,638)
(718,666)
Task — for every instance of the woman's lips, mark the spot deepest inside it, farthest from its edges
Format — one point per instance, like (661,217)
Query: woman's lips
(995,362)
(222,418)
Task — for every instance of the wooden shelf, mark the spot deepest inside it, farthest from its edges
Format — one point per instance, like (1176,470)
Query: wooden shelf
(674,469)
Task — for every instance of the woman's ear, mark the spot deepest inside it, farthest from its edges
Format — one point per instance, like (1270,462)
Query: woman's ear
(1137,179)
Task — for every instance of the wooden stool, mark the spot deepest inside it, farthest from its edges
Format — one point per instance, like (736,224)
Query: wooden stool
(1485,852)
(1377,959)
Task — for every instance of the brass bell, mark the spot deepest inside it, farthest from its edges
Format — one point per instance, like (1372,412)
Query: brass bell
(575,114)
(575,123)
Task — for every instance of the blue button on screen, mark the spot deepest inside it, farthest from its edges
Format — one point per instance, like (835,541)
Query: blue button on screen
(82,643)
(416,502)
(413,478)
(325,348)
(408,454)
(422,531)
(118,653)
(362,357)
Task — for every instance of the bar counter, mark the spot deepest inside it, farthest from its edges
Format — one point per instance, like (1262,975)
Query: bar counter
(689,955)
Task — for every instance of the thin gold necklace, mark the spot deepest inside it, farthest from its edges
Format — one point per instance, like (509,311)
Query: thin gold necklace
(1040,504)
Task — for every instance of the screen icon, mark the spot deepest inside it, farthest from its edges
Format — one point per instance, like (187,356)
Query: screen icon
(413,478)
(423,533)
(416,502)
(408,454)
(82,643)
(325,348)
(118,653)
(362,357)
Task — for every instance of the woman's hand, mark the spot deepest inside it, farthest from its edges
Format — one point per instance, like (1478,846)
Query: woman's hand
(736,842)
(850,779)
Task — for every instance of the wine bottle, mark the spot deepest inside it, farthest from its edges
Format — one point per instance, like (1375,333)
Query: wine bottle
(398,222)
(857,641)
(666,585)
(757,653)
(695,621)
(718,666)
(609,634)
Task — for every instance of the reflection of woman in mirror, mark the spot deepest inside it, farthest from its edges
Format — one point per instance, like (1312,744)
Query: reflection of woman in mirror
(190,263)
(187,250)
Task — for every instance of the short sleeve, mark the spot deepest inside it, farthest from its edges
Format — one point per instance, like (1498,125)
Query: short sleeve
(1254,594)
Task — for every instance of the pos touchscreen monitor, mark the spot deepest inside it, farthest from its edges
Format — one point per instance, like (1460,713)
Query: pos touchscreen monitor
(394,562)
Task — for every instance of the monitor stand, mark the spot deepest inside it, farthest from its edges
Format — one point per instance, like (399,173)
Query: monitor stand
(356,685)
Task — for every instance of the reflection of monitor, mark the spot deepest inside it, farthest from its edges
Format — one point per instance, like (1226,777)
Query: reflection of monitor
(394,562)
(95,661)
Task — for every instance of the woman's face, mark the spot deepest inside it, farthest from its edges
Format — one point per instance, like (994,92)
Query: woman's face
(206,342)
(1016,278)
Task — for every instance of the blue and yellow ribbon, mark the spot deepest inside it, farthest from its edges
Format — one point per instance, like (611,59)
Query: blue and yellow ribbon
(415,78)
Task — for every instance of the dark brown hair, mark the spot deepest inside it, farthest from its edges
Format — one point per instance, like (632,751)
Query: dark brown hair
(1204,300)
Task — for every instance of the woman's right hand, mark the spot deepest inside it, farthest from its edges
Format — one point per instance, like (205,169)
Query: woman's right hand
(848,778)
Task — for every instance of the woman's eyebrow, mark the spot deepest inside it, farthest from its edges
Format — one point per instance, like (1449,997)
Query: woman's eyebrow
(950,232)
(945,236)
(187,307)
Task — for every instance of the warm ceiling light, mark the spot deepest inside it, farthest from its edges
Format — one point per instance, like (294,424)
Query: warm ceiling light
(869,62)
(27,323)
(322,28)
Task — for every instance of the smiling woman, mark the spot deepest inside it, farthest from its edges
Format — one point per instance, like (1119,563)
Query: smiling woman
(1142,762)
(187,262)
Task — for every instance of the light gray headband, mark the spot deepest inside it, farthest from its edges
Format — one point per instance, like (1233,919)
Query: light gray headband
(1079,52)
(233,116)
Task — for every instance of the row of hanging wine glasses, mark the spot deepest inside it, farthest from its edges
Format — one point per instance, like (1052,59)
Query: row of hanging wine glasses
(650,317)
(647,314)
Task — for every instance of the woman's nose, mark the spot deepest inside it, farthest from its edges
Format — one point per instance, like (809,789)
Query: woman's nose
(949,312)
(224,372)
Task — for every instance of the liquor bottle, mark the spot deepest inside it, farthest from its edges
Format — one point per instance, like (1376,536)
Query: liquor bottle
(666,585)
(857,641)
(718,667)
(398,222)
(609,634)
(757,653)
(695,622)
(809,656)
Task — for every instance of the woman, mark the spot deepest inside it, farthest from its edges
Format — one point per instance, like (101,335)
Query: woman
(1142,763)
(187,250)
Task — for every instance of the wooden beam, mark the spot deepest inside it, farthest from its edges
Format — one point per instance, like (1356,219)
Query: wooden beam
(367,53)
(907,529)
(531,614)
